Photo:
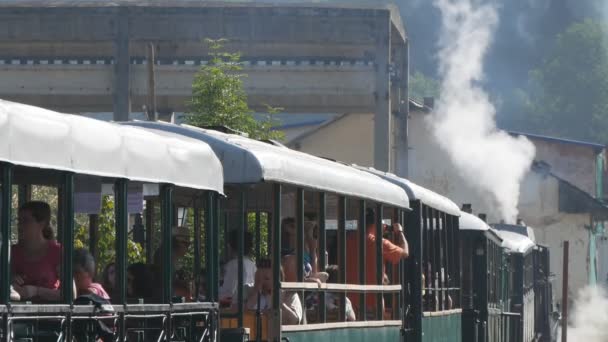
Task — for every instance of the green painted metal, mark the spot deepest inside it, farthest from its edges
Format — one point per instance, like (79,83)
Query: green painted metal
(258,232)
(346,334)
(209,250)
(300,233)
(217,209)
(342,254)
(197,245)
(379,259)
(276,262)
(362,257)
(122,226)
(67,238)
(166,194)
(242,227)
(445,328)
(414,265)
(322,250)
(5,231)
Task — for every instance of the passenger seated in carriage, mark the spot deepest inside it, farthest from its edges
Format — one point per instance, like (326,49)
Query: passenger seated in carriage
(36,258)
(84,273)
(229,289)
(332,301)
(291,306)
(311,273)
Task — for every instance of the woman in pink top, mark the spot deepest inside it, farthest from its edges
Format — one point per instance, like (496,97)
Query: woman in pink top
(36,258)
(84,272)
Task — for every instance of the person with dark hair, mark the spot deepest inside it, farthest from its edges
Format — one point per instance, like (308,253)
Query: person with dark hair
(229,289)
(391,252)
(84,272)
(36,258)
(139,281)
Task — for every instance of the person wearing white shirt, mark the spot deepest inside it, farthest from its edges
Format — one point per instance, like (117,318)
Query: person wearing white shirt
(229,289)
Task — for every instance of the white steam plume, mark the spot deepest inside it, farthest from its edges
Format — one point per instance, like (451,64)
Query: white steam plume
(590,316)
(463,121)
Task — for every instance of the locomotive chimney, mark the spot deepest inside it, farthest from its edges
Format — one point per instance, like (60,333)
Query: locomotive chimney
(483,217)
(467,208)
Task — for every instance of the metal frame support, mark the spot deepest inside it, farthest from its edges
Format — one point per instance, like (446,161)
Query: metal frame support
(379,260)
(5,231)
(122,223)
(415,262)
(300,234)
(216,247)
(166,194)
(210,231)
(362,258)
(241,251)
(342,254)
(67,238)
(322,250)
(276,263)
(197,244)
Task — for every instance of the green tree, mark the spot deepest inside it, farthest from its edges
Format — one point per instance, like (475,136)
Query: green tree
(106,242)
(218,96)
(422,86)
(569,91)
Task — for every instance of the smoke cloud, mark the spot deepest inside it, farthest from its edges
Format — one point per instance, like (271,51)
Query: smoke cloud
(590,316)
(464,119)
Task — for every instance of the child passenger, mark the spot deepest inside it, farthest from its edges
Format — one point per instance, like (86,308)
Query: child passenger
(84,272)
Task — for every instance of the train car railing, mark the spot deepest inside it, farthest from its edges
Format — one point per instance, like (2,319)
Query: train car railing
(511,326)
(192,322)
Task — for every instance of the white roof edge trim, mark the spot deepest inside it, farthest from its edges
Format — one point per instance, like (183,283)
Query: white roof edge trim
(515,242)
(417,192)
(36,137)
(471,222)
(248,161)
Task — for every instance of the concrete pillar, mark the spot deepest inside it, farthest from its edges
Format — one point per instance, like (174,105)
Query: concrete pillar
(122,66)
(382,115)
(400,98)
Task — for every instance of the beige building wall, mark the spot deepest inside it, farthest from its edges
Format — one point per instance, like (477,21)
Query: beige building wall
(348,138)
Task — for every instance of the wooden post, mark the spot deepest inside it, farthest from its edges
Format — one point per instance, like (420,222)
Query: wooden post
(565,293)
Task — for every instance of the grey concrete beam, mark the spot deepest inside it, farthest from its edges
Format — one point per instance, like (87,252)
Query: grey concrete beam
(382,112)
(297,88)
(122,64)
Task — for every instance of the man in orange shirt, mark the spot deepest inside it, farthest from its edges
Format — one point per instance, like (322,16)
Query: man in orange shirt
(391,252)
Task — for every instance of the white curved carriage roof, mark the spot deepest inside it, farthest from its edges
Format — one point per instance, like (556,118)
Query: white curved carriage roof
(248,161)
(36,137)
(515,242)
(471,222)
(417,192)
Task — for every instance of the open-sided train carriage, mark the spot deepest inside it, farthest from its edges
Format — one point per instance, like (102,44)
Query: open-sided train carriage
(271,183)
(433,310)
(520,245)
(486,271)
(78,158)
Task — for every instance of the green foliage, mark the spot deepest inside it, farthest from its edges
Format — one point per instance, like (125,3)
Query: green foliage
(219,99)
(422,86)
(569,95)
(106,237)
